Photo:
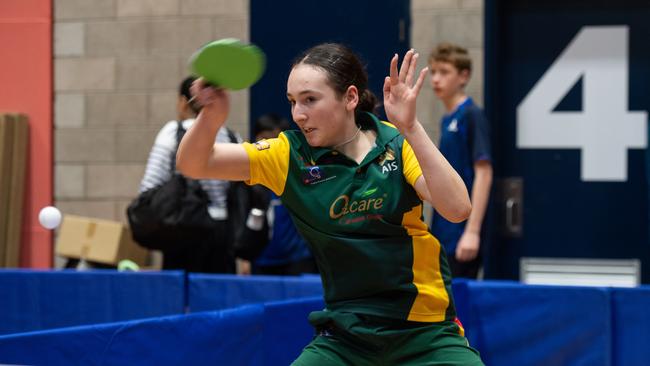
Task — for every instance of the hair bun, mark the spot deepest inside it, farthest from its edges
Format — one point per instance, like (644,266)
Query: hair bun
(368,102)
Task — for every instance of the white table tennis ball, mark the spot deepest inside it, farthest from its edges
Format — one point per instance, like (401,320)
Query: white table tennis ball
(50,217)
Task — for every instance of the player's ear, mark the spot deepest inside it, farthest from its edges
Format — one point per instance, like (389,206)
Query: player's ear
(351,98)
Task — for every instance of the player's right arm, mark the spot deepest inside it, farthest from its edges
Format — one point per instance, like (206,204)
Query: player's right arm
(198,156)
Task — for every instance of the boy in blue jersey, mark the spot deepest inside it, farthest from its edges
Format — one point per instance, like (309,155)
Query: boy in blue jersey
(465,142)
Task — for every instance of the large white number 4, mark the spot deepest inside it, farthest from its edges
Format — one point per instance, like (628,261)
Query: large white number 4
(604,129)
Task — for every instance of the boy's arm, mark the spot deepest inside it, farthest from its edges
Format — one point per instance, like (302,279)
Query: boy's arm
(469,243)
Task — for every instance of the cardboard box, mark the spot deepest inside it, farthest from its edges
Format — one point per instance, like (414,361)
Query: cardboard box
(97,240)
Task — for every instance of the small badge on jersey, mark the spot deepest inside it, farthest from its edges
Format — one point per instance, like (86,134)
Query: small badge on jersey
(314,174)
(453,126)
(387,161)
(262,145)
(389,155)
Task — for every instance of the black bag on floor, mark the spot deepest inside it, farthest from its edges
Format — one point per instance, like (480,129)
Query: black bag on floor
(249,243)
(173,214)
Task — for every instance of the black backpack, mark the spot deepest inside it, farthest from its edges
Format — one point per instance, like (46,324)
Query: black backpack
(173,214)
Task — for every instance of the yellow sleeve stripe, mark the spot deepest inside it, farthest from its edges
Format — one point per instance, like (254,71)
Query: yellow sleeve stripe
(269,163)
(412,170)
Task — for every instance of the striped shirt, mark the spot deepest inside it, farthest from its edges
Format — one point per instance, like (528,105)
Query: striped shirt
(158,169)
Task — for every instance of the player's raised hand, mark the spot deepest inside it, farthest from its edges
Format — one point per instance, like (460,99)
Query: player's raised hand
(400,92)
(212,100)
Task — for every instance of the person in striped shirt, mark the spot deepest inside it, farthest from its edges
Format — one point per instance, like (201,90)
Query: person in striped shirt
(212,255)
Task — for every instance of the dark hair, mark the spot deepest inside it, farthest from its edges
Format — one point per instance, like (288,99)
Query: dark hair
(184,90)
(270,122)
(343,68)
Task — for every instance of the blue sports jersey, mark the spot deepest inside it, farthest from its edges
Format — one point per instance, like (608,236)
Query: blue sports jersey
(285,243)
(464,140)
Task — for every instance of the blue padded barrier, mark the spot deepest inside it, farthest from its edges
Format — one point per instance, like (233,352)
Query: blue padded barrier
(37,300)
(518,324)
(229,337)
(263,334)
(510,323)
(214,292)
(286,329)
(631,318)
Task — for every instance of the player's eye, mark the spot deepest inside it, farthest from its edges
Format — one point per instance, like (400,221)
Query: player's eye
(310,100)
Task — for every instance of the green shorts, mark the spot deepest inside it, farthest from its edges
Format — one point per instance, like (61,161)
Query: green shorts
(355,339)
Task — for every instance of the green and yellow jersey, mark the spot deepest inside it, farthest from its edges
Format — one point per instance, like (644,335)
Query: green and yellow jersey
(363,223)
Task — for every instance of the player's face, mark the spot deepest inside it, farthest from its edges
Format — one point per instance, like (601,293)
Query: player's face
(316,108)
(446,80)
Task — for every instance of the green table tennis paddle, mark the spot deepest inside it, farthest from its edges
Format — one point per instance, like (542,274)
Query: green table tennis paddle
(228,63)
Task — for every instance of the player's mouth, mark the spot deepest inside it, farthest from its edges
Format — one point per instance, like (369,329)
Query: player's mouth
(308,130)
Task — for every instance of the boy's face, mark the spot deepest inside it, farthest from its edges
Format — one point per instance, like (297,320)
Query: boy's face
(446,80)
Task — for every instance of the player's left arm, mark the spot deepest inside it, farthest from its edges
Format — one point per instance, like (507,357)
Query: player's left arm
(439,183)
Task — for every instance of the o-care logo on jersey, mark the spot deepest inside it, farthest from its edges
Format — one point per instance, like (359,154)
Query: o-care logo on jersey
(343,206)
(387,161)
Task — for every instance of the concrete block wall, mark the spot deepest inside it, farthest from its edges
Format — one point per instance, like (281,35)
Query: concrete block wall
(118,64)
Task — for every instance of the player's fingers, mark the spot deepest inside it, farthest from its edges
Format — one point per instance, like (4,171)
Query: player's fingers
(393,70)
(223,94)
(208,94)
(201,91)
(411,71)
(403,71)
(420,81)
(386,89)
(196,87)
(220,92)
